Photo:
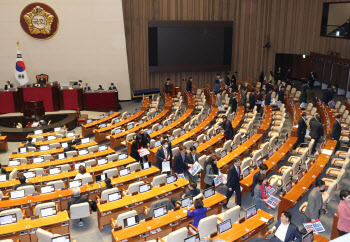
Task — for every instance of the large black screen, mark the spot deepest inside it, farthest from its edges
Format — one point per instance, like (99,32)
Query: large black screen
(190,46)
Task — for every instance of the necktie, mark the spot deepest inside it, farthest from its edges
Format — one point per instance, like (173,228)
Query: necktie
(237,168)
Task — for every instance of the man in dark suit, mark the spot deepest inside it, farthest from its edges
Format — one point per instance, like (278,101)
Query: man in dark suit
(281,95)
(312,79)
(285,230)
(228,79)
(268,86)
(167,86)
(135,146)
(22,180)
(189,84)
(169,147)
(233,177)
(268,97)
(163,154)
(260,99)
(179,161)
(336,131)
(226,125)
(262,170)
(218,76)
(29,143)
(87,88)
(42,80)
(145,138)
(76,199)
(112,87)
(302,126)
(252,100)
(191,158)
(70,147)
(316,131)
(234,78)
(191,191)
(78,83)
(8,86)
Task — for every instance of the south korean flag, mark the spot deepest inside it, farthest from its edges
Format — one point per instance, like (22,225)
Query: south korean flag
(20,70)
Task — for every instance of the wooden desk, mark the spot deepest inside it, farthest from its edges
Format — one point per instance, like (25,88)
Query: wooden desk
(320,238)
(36,153)
(3,143)
(238,117)
(265,125)
(25,229)
(240,150)
(111,209)
(43,134)
(272,162)
(48,142)
(189,100)
(290,199)
(115,140)
(88,129)
(213,205)
(253,227)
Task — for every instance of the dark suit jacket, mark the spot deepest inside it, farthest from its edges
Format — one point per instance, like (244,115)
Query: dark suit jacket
(316,130)
(228,81)
(112,88)
(233,178)
(179,164)
(259,97)
(234,79)
(281,96)
(146,139)
(292,234)
(251,100)
(189,86)
(192,193)
(42,80)
(302,127)
(69,148)
(77,200)
(268,99)
(189,160)
(134,150)
(161,156)
(336,131)
(255,181)
(29,145)
(233,104)
(21,185)
(7,87)
(268,87)
(227,126)
(87,88)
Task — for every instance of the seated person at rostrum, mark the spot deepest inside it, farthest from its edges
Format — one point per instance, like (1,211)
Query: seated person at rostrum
(112,87)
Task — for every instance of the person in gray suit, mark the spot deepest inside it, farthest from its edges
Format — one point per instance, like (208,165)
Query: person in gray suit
(315,202)
(190,159)
(63,131)
(260,193)
(243,97)
(210,171)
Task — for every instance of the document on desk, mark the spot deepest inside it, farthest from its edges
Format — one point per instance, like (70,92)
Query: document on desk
(316,227)
(327,152)
(196,167)
(165,166)
(273,202)
(220,180)
(143,152)
(264,219)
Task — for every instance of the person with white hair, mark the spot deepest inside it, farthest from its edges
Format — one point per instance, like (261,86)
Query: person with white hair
(76,199)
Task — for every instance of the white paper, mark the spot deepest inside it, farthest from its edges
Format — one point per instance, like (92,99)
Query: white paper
(143,152)
(264,219)
(327,152)
(273,202)
(315,227)
(196,167)
(165,166)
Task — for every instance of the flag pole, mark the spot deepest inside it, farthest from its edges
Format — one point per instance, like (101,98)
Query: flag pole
(18,45)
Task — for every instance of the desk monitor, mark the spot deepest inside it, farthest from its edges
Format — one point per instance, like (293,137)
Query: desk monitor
(128,115)
(171,138)
(208,137)
(38,131)
(64,145)
(161,211)
(3,178)
(61,156)
(223,153)
(14,163)
(83,152)
(224,226)
(234,146)
(146,165)
(131,125)
(51,137)
(124,172)
(117,120)
(85,140)
(177,117)
(103,125)
(149,131)
(118,131)
(251,133)
(61,238)
(55,170)
(192,238)
(22,150)
(156,114)
(78,164)
(17,194)
(47,189)
(37,160)
(75,183)
(280,144)
(157,143)
(270,153)
(44,148)
(100,178)
(136,110)
(186,202)
(8,219)
(309,237)
(29,174)
(131,221)
(140,121)
(196,144)
(300,174)
(70,134)
(110,112)
(114,196)
(209,192)
(102,116)
(192,126)
(244,139)
(122,156)
(250,212)
(144,188)
(308,164)
(171,179)
(57,129)
(170,121)
(259,162)
(102,148)
(160,127)
(102,161)
(149,117)
(217,131)
(46,212)
(89,121)
(246,172)
(289,186)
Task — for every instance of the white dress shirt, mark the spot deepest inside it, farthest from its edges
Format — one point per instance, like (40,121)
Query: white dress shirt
(282,231)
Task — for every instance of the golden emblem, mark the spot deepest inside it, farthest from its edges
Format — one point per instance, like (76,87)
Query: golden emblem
(39,21)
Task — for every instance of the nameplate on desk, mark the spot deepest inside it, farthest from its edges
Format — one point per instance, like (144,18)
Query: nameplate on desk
(65,223)
(25,206)
(5,198)
(56,200)
(45,174)
(34,217)
(174,223)
(103,202)
(144,177)
(84,194)
(23,232)
(120,184)
(130,206)
(36,194)
(145,234)
(103,214)
(63,198)
(64,188)
(33,204)
(160,196)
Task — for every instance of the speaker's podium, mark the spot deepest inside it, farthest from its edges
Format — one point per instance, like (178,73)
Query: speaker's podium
(42,79)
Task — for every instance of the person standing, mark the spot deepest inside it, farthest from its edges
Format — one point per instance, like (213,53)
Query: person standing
(302,128)
(304,95)
(87,88)
(233,102)
(217,78)
(268,86)
(167,86)
(268,97)
(272,78)
(226,125)
(190,159)
(261,77)
(316,131)
(216,87)
(336,131)
(243,97)
(260,193)
(252,100)
(259,98)
(281,95)
(262,171)
(233,185)
(135,146)
(228,79)
(312,79)
(315,202)
(344,213)
(234,78)
(145,138)
(162,154)
(179,161)
(210,171)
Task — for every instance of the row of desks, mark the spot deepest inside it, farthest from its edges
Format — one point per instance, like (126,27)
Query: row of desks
(88,129)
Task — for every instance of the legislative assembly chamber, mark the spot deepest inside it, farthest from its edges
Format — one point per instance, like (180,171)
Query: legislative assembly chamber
(175,120)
